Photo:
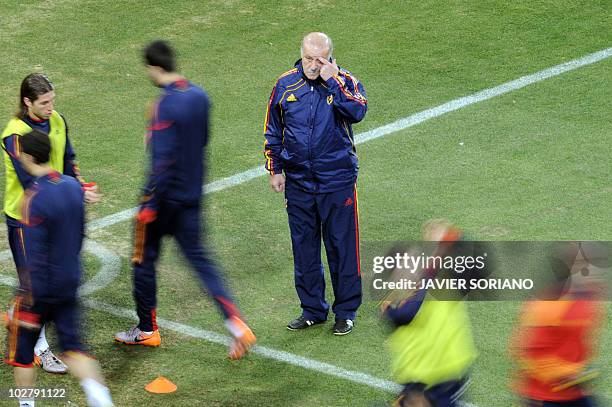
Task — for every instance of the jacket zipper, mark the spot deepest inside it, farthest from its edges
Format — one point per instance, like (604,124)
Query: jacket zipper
(311,124)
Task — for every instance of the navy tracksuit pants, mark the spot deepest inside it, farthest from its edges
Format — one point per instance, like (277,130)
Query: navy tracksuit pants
(182,222)
(334,217)
(29,316)
(17,244)
(36,313)
(445,394)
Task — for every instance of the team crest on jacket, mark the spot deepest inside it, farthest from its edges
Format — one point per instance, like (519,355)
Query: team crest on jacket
(330,99)
(292,98)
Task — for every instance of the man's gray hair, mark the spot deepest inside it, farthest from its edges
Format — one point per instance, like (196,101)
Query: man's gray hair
(323,37)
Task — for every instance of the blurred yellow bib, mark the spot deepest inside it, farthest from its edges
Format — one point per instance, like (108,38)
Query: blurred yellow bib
(436,347)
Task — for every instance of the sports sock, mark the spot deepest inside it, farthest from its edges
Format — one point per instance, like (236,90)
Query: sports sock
(41,344)
(97,394)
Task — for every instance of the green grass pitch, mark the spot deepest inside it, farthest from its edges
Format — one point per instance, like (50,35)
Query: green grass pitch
(534,164)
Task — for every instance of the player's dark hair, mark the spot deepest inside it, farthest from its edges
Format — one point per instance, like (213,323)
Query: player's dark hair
(37,144)
(160,53)
(32,86)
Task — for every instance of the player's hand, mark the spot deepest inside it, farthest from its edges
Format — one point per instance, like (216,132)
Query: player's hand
(92,197)
(328,69)
(277,182)
(91,194)
(146,215)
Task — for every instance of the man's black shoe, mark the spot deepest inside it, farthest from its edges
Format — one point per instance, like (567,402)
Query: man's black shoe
(301,323)
(343,327)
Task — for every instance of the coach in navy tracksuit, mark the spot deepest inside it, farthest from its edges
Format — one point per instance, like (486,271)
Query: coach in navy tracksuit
(178,135)
(309,138)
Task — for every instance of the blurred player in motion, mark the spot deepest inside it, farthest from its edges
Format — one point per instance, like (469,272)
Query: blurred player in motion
(36,111)
(431,346)
(554,343)
(172,200)
(53,230)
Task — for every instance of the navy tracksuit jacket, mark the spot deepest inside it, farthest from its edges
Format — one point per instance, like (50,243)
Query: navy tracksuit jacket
(54,219)
(309,137)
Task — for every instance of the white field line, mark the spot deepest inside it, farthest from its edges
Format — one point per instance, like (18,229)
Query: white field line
(269,353)
(281,356)
(109,270)
(256,172)
(10,281)
(396,126)
(5,255)
(253,173)
(286,357)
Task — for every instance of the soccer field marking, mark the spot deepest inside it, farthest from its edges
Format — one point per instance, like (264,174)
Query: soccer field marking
(10,281)
(378,132)
(259,171)
(394,127)
(269,353)
(253,173)
(286,357)
(483,95)
(109,270)
(6,255)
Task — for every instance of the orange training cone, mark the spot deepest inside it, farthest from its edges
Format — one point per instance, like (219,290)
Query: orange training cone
(161,385)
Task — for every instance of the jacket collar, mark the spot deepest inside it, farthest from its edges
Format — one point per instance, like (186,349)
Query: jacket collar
(181,84)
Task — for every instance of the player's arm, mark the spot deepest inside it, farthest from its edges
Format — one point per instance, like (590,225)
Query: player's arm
(81,215)
(406,310)
(163,148)
(273,144)
(71,168)
(349,96)
(11,146)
